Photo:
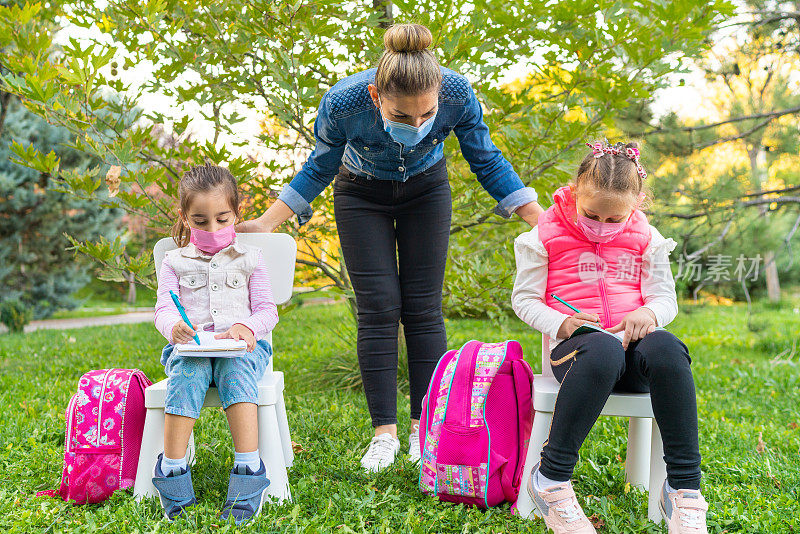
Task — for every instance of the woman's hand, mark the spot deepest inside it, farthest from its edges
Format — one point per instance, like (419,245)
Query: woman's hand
(530,213)
(275,216)
(182,333)
(239,331)
(253,226)
(572,323)
(636,325)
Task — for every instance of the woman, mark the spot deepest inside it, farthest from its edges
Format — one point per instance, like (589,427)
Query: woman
(380,133)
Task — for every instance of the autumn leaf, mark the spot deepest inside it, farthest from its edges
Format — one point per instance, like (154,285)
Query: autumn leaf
(596,521)
(297,448)
(112,180)
(761,447)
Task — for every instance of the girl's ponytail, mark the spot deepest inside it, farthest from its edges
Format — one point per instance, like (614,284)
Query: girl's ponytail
(180,233)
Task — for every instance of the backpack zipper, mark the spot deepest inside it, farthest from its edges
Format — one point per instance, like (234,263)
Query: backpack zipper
(70,417)
(468,397)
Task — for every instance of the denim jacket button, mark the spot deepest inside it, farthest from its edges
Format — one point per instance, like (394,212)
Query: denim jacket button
(214,265)
(435,141)
(215,287)
(401,169)
(366,148)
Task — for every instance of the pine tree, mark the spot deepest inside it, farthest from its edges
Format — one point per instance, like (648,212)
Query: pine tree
(35,265)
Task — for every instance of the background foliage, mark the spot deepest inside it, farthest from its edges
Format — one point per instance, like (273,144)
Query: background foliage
(726,173)
(107,85)
(35,266)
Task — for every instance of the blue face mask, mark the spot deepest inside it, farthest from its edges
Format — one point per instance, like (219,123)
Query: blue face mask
(405,133)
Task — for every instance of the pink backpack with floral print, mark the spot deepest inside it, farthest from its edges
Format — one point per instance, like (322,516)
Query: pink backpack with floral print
(476,423)
(104,432)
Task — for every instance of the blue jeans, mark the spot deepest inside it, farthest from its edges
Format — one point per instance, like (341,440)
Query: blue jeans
(190,377)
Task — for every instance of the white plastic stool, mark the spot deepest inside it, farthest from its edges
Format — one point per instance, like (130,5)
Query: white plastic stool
(274,440)
(644,466)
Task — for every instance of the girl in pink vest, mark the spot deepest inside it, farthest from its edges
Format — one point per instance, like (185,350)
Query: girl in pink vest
(595,249)
(224,287)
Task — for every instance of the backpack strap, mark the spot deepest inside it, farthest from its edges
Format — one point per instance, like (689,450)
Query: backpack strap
(461,387)
(523,381)
(437,397)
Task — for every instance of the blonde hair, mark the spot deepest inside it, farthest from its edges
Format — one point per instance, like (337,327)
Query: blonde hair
(407,66)
(203,179)
(615,173)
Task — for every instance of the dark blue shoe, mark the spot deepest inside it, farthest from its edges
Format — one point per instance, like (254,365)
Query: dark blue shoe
(246,494)
(175,490)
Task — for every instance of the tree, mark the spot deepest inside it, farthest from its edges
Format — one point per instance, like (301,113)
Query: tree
(35,265)
(753,109)
(584,61)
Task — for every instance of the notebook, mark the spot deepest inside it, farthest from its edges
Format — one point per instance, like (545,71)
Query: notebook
(212,348)
(590,327)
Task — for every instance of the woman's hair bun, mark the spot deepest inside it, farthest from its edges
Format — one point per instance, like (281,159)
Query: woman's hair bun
(407,38)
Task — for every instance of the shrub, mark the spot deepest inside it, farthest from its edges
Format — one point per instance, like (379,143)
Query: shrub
(15,315)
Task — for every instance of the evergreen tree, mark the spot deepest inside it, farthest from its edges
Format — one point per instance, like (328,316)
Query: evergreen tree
(35,263)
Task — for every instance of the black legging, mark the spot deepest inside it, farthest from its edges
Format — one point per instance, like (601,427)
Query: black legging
(394,238)
(590,366)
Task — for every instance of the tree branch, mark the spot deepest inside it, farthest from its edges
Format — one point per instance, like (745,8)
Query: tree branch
(689,129)
(5,103)
(699,252)
(742,204)
(771,191)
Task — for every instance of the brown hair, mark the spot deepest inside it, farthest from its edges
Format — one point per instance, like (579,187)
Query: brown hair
(615,173)
(407,66)
(203,179)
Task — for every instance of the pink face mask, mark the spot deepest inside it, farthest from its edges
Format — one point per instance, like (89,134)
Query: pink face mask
(599,232)
(212,242)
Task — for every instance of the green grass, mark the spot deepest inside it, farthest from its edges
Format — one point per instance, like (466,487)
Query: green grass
(741,393)
(105,298)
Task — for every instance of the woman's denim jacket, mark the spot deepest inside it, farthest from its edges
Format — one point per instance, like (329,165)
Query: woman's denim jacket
(349,130)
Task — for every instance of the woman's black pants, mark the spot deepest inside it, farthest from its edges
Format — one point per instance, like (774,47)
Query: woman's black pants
(394,238)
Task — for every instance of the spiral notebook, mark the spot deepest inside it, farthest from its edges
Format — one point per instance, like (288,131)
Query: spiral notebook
(212,348)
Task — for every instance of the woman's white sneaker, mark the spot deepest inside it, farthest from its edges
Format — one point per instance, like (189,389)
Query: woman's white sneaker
(381,453)
(413,445)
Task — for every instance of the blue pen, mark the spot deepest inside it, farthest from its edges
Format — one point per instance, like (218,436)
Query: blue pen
(565,303)
(183,313)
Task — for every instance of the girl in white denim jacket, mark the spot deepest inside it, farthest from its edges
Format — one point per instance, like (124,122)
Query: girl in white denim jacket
(224,287)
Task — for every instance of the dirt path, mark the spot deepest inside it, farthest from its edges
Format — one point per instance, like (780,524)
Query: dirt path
(80,322)
(142,316)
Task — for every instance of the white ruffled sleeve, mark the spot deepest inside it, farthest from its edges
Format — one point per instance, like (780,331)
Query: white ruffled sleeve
(530,284)
(658,286)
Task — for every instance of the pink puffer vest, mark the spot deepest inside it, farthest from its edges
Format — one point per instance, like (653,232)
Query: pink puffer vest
(599,278)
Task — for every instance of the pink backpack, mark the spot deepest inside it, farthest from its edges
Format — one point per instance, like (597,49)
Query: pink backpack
(104,432)
(476,423)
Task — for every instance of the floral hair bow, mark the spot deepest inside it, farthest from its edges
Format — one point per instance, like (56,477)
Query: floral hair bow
(600,149)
